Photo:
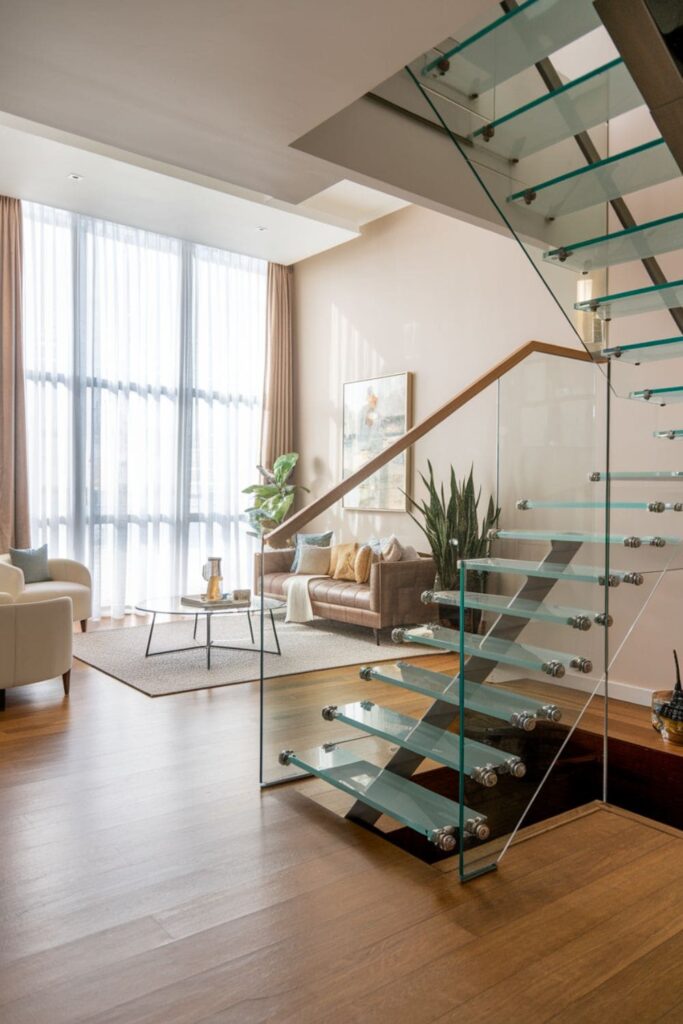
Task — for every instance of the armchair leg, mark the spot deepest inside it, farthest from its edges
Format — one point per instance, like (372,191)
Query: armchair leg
(377,636)
(2,700)
(84,625)
(66,680)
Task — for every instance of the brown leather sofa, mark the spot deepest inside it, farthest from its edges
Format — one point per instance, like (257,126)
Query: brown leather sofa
(391,597)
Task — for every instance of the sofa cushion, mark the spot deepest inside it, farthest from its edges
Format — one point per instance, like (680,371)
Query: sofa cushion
(319,540)
(340,592)
(32,562)
(313,561)
(363,564)
(79,594)
(345,568)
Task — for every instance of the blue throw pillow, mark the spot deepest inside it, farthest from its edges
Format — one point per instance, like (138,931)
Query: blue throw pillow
(319,540)
(32,562)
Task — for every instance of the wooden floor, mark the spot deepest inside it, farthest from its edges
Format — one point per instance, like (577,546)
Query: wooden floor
(147,879)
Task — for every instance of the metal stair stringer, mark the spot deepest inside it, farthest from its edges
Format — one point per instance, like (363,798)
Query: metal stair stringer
(441,714)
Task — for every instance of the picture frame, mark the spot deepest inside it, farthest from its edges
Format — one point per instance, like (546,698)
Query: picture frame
(375,412)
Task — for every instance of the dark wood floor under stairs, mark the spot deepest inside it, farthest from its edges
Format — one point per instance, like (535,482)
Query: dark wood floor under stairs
(147,879)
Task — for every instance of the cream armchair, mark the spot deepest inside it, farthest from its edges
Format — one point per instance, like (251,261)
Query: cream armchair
(35,641)
(69,579)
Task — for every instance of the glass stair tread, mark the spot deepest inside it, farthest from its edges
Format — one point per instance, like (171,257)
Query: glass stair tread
(528,504)
(668,435)
(628,540)
(638,300)
(646,351)
(425,739)
(506,652)
(583,103)
(513,42)
(542,570)
(635,243)
(634,474)
(505,705)
(660,396)
(404,801)
(618,175)
(519,607)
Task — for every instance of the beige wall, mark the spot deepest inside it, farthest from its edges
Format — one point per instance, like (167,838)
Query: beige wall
(423,292)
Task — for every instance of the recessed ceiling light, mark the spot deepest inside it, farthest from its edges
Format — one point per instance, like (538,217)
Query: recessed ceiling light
(261,227)
(76,177)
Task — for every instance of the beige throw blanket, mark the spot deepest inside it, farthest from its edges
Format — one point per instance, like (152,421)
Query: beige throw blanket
(299,607)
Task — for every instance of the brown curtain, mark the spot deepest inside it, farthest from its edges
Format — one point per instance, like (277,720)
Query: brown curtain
(277,431)
(14,523)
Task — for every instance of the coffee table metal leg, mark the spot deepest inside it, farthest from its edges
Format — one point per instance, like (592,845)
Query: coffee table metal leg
(194,635)
(251,628)
(277,640)
(208,641)
(151,630)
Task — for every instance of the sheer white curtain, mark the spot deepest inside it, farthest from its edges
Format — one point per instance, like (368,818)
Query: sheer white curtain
(145,361)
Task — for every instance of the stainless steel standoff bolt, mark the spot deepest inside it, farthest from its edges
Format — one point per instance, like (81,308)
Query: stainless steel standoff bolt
(529,196)
(636,578)
(581,622)
(632,542)
(493,534)
(522,504)
(612,581)
(678,506)
(366,673)
(427,597)
(516,767)
(551,712)
(525,720)
(485,775)
(398,635)
(444,838)
(658,542)
(595,477)
(647,394)
(581,664)
(329,713)
(603,619)
(477,827)
(284,756)
(367,705)
(656,506)
(487,132)
(553,668)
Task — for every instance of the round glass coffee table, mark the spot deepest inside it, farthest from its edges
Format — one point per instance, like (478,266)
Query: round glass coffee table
(174,606)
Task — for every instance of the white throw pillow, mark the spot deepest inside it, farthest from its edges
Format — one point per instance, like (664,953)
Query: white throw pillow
(409,554)
(313,561)
(392,550)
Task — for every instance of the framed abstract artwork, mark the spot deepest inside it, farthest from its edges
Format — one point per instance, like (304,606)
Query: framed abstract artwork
(376,412)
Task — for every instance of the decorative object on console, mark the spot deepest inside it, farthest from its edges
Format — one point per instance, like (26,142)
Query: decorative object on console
(213,575)
(667,710)
(376,412)
(32,562)
(273,499)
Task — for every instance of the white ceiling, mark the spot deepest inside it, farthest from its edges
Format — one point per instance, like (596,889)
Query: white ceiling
(219,87)
(37,168)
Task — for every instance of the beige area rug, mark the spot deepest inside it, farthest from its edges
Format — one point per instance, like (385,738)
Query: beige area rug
(305,648)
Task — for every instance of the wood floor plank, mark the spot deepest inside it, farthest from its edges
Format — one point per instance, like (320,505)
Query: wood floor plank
(146,879)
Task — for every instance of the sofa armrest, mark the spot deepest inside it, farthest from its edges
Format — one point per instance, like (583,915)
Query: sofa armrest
(70,571)
(397,587)
(11,579)
(273,561)
(43,640)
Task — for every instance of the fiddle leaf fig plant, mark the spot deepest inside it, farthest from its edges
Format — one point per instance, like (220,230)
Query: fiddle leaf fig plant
(274,497)
(451,525)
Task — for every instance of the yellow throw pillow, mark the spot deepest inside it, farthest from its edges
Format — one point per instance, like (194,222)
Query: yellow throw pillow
(346,562)
(363,564)
(334,552)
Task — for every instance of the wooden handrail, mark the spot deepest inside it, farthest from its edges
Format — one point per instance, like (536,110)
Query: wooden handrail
(321,504)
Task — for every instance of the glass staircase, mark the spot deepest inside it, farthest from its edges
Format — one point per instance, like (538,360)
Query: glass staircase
(533,114)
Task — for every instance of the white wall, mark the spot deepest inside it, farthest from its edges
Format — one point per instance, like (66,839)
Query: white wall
(418,291)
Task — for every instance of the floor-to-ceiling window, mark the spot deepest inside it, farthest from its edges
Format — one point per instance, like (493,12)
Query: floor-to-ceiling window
(144,374)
